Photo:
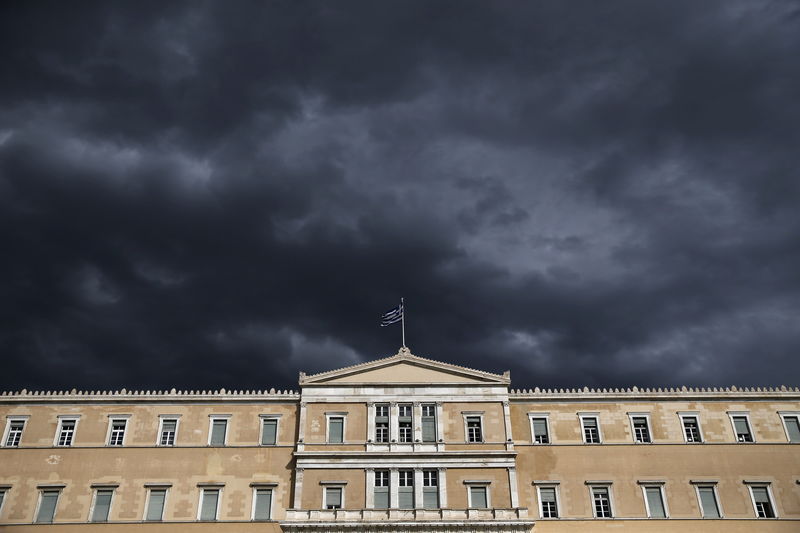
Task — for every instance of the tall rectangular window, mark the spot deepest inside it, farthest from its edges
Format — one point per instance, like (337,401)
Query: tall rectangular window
(429,423)
(333,497)
(654,497)
(478,498)
(641,429)
(405,489)
(601,499)
(709,506)
(742,428)
(102,505)
(66,431)
(169,427)
(2,498)
(262,506)
(269,431)
(336,429)
(116,436)
(405,423)
(219,432)
(691,429)
(155,505)
(48,499)
(591,430)
(209,504)
(381,495)
(382,422)
(762,501)
(792,424)
(430,489)
(547,502)
(540,434)
(474,430)
(14,432)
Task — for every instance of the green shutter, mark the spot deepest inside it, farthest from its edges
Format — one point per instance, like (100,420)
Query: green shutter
(547,494)
(760,495)
(655,502)
(539,427)
(263,504)
(741,425)
(208,511)
(335,430)
(478,495)
(218,432)
(169,425)
(47,507)
(430,497)
(333,497)
(428,429)
(793,428)
(269,431)
(381,497)
(709,502)
(405,497)
(155,509)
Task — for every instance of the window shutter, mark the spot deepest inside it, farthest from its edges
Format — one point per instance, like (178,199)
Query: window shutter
(155,511)
(269,431)
(102,504)
(655,502)
(2,495)
(539,427)
(333,496)
(428,429)
(760,495)
(709,502)
(209,508)
(218,432)
(405,497)
(478,497)
(335,430)
(263,504)
(169,425)
(381,497)
(430,497)
(741,425)
(547,494)
(793,428)
(47,507)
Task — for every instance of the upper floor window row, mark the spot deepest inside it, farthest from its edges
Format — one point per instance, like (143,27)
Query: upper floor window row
(403,422)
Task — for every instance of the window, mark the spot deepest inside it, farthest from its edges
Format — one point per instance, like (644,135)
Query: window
(48,499)
(791,423)
(116,431)
(209,504)
(429,423)
(548,503)
(591,429)
(2,498)
(334,497)
(335,428)
(262,503)
(474,429)
(641,427)
(709,506)
(405,423)
(741,427)
(14,428)
(691,428)
(405,489)
(601,500)
(156,499)
(102,505)
(539,429)
(479,497)
(430,489)
(762,501)
(66,431)
(382,422)
(654,501)
(381,499)
(218,432)
(167,432)
(269,430)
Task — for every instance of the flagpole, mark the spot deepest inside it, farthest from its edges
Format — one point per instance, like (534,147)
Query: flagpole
(403,321)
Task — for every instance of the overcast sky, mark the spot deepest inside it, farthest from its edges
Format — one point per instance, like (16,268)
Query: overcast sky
(223,194)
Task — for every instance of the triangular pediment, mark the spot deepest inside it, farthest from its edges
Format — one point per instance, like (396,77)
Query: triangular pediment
(405,368)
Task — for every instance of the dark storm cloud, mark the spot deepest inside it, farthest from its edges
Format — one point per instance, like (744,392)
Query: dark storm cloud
(586,193)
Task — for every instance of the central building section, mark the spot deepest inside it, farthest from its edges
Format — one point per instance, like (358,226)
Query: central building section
(405,444)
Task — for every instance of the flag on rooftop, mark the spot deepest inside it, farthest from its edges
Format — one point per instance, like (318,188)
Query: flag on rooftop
(393,315)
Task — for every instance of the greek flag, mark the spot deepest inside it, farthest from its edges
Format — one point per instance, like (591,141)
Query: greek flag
(393,315)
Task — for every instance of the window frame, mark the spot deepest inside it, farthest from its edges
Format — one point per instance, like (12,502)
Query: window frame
(660,485)
(341,485)
(784,415)
(150,489)
(713,486)
(682,415)
(388,422)
(262,418)
(429,475)
(58,490)
(473,414)
(335,414)
(4,490)
(548,485)
(646,416)
(11,419)
(388,486)
(768,486)
(203,489)
(546,418)
(609,492)
(596,416)
(423,417)
(161,419)
(263,486)
(473,484)
(60,426)
(211,419)
(746,415)
(96,492)
(114,418)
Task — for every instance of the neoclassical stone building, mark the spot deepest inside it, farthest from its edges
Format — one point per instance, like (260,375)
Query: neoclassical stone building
(402,444)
